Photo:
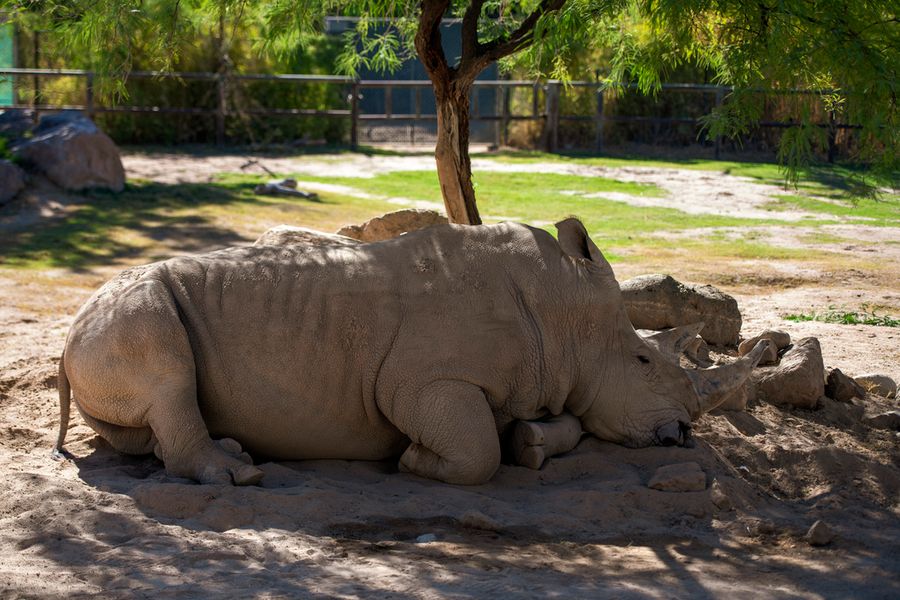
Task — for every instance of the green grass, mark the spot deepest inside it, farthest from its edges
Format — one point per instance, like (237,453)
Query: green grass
(151,220)
(865,316)
(831,181)
(883,212)
(543,198)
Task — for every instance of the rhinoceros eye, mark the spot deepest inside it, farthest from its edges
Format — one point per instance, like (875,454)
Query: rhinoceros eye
(643,359)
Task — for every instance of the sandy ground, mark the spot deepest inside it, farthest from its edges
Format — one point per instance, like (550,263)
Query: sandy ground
(586,525)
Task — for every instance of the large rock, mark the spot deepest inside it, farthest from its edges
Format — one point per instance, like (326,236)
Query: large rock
(661,302)
(393,224)
(288,235)
(73,153)
(798,380)
(12,180)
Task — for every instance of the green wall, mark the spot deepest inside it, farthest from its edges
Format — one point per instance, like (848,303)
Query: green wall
(6,61)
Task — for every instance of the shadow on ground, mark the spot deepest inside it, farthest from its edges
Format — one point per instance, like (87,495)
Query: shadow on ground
(101,228)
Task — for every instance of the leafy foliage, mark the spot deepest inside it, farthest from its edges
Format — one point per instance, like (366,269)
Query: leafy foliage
(843,53)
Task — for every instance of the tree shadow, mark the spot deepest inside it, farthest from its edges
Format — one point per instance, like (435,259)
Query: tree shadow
(100,228)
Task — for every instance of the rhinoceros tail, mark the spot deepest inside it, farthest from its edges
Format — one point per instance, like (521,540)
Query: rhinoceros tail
(65,403)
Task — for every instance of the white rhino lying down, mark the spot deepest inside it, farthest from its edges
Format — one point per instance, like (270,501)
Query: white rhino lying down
(427,346)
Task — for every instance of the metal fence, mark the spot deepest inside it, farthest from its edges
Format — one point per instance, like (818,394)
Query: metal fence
(493,111)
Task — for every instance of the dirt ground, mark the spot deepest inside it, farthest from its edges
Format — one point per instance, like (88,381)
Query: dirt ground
(586,525)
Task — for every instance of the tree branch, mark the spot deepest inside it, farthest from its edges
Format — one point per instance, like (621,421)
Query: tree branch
(496,49)
(470,31)
(428,41)
(523,36)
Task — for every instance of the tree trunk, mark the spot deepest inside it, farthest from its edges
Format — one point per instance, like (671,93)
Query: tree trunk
(452,154)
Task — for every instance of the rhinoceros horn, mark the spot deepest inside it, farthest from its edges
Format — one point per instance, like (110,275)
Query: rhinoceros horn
(715,384)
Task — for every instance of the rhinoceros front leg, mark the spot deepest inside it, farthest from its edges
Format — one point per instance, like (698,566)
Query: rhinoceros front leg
(535,441)
(453,433)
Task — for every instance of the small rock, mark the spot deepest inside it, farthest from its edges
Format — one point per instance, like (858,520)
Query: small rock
(474,519)
(799,380)
(741,397)
(680,477)
(889,420)
(660,302)
(842,388)
(12,180)
(426,538)
(881,385)
(393,224)
(719,498)
(780,340)
(819,534)
(288,235)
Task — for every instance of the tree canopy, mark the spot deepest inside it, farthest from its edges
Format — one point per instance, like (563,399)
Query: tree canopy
(844,52)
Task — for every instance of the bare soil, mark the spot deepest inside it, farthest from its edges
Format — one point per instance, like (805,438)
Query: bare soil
(586,525)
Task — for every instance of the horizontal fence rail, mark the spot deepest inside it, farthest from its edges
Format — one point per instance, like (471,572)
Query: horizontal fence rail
(545,100)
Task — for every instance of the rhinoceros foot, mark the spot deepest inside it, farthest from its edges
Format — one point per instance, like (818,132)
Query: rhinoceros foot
(223,463)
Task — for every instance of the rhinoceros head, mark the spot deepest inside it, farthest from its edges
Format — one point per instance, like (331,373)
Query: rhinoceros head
(629,389)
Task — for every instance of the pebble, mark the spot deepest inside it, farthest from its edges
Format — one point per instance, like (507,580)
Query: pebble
(426,538)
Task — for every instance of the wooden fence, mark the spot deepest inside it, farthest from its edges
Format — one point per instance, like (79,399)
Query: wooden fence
(544,107)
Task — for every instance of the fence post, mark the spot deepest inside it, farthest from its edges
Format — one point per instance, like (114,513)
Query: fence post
(504,115)
(720,97)
(89,96)
(354,114)
(221,109)
(599,121)
(832,137)
(551,116)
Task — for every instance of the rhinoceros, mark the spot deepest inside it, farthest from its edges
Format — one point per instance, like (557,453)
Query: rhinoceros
(427,347)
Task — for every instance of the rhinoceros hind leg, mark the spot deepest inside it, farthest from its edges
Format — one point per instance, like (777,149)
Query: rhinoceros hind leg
(184,443)
(453,433)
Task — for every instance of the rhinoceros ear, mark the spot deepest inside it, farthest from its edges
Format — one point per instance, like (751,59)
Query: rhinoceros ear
(575,241)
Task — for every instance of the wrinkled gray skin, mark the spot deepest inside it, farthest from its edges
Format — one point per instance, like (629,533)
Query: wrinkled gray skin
(425,346)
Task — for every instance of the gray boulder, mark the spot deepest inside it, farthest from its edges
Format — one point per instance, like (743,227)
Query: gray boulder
(798,380)
(73,153)
(393,224)
(288,235)
(661,302)
(12,180)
